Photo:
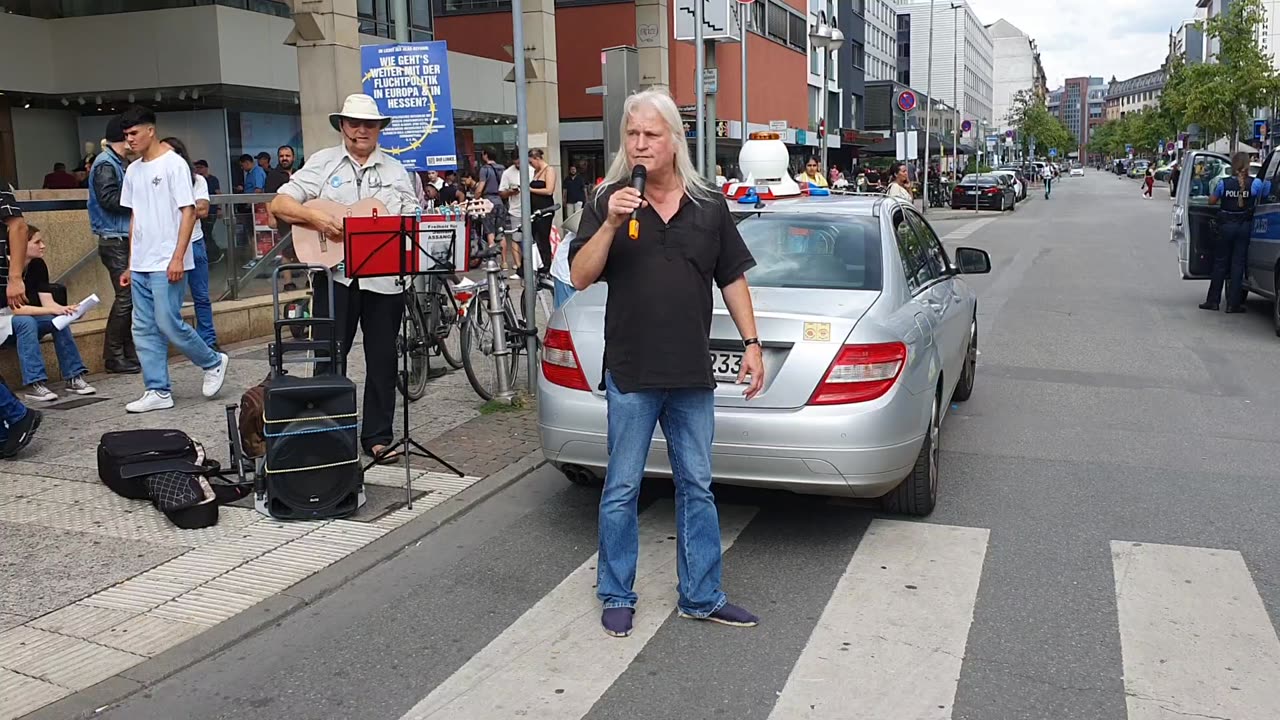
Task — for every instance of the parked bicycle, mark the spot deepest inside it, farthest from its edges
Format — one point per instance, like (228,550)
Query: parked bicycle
(439,305)
(496,332)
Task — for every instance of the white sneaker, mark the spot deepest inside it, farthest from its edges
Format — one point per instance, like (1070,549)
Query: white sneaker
(79,386)
(214,378)
(515,277)
(150,400)
(40,392)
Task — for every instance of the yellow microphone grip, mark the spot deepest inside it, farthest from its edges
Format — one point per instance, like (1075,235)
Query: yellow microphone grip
(633,229)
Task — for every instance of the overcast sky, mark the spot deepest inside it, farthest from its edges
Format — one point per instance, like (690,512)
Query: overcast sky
(1089,38)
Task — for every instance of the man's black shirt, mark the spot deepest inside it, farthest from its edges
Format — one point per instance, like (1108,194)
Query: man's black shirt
(657,322)
(575,189)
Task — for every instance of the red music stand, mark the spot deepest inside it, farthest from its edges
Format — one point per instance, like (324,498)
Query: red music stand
(389,246)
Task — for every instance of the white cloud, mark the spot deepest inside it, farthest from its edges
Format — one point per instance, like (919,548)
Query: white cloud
(1084,38)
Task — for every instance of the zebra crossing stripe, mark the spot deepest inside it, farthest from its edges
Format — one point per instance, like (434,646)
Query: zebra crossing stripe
(967,229)
(1195,637)
(891,640)
(555,662)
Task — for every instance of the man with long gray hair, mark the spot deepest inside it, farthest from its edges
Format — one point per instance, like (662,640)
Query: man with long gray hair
(657,350)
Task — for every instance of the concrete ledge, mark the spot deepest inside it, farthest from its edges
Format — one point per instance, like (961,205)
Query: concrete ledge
(86,703)
(235,321)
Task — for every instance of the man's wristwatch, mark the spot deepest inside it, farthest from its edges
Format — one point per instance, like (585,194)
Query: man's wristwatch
(748,342)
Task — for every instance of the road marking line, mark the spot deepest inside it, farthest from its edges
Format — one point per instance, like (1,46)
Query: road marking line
(891,640)
(968,229)
(555,662)
(1195,637)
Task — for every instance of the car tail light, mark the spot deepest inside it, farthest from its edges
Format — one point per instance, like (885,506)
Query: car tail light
(463,298)
(861,373)
(560,361)
(993,191)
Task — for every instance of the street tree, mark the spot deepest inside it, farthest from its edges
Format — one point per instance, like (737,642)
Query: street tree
(1030,118)
(1220,96)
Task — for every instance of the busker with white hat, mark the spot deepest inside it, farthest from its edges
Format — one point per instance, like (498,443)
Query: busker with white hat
(347,173)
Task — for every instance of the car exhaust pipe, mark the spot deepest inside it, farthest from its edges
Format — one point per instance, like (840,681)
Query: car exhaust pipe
(579,475)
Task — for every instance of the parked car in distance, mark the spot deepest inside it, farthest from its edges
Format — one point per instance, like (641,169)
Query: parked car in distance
(1077,172)
(987,191)
(1139,168)
(1020,176)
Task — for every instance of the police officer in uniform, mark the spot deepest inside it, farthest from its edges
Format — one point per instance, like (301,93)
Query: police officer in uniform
(1236,195)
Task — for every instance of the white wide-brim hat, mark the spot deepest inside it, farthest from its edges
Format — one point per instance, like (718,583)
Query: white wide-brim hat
(358,106)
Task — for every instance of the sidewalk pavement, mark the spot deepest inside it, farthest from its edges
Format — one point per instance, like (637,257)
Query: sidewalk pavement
(96,584)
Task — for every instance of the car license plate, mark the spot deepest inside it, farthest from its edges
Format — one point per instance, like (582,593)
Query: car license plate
(726,365)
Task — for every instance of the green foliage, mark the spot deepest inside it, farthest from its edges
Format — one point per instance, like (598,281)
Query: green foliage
(1031,119)
(1220,96)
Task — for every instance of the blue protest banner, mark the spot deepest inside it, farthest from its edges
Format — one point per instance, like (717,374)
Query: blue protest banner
(410,83)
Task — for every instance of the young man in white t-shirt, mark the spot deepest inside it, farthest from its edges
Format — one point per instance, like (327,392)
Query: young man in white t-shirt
(159,190)
(509,189)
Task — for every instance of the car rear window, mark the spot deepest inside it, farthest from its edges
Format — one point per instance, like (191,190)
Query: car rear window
(839,252)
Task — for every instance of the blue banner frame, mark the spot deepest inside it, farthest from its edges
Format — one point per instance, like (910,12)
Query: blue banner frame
(410,83)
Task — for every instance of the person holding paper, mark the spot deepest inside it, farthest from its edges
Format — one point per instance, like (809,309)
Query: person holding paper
(34,320)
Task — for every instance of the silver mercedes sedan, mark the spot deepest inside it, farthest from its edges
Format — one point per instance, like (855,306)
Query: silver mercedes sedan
(868,333)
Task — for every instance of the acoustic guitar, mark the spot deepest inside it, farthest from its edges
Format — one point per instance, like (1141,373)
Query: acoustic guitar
(313,248)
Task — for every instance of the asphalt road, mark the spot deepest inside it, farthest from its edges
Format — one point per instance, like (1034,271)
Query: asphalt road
(1105,545)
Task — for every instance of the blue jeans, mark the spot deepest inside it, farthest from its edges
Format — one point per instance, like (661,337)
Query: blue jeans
(157,323)
(688,423)
(198,281)
(27,331)
(11,411)
(563,291)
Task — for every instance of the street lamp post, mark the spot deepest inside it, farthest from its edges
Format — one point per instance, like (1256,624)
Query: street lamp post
(955,75)
(827,39)
(928,112)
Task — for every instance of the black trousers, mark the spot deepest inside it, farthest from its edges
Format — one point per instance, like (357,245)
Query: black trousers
(117,346)
(1229,256)
(378,316)
(542,236)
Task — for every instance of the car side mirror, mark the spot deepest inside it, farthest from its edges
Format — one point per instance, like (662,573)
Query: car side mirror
(972,261)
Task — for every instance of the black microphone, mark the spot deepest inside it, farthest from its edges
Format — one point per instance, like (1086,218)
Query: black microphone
(638,175)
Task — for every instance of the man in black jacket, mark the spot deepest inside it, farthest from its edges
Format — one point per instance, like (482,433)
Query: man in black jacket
(110,220)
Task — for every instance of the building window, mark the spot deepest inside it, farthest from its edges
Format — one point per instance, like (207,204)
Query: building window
(798,35)
(777,22)
(377,17)
(859,55)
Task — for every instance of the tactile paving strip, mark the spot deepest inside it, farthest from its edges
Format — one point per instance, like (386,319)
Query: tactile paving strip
(147,635)
(81,621)
(20,694)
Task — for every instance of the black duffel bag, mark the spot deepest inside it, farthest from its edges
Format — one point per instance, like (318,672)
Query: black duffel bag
(127,457)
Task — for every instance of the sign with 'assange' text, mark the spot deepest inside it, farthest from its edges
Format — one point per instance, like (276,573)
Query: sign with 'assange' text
(410,83)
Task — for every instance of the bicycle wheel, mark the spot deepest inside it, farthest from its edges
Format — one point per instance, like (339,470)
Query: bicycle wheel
(477,347)
(448,337)
(419,348)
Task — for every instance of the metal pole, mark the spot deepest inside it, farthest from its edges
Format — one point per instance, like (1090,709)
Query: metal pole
(401,12)
(928,112)
(699,95)
(709,144)
(955,94)
(822,109)
(526,233)
(745,10)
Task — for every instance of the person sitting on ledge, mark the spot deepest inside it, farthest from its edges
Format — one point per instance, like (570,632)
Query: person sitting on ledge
(35,320)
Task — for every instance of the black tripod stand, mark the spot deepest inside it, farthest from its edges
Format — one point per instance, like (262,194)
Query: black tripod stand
(378,247)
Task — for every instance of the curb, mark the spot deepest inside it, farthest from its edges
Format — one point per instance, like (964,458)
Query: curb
(94,699)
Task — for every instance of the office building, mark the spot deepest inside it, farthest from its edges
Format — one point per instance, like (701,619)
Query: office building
(962,73)
(1017,69)
(1134,94)
(882,39)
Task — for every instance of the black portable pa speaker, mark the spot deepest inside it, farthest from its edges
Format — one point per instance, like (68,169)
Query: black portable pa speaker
(313,467)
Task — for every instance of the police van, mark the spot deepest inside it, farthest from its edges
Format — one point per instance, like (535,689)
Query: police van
(1194,224)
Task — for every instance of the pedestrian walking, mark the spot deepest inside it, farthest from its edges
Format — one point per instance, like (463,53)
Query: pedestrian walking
(657,325)
(198,278)
(1236,196)
(1148,184)
(109,221)
(160,191)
